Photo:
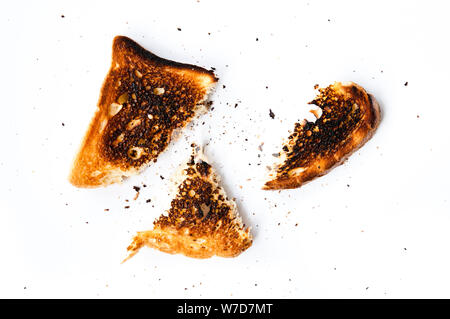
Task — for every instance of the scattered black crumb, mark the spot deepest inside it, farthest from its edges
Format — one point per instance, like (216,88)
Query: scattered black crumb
(256,285)
(136,188)
(405,249)
(213,68)
(296,224)
(106,209)
(236,105)
(209,33)
(126,207)
(348,185)
(271,114)
(62,16)
(148,200)
(224,86)
(143,185)
(179,29)
(25,287)
(185,288)
(87,222)
(367,288)
(418,116)
(257,39)
(329,20)
(406,83)
(62,124)
(162,177)
(267,87)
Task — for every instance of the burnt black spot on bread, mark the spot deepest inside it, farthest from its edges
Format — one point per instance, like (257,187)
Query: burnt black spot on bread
(341,115)
(203,168)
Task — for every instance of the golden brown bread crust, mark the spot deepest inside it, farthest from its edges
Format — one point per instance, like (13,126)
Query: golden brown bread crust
(349,118)
(144,99)
(201,221)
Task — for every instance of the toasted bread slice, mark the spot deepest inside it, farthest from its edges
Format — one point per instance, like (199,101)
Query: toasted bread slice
(201,222)
(346,116)
(144,99)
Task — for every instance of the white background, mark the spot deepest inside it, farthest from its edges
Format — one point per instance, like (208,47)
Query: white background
(377,226)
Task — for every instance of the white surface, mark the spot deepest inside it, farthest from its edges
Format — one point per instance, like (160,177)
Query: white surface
(378,226)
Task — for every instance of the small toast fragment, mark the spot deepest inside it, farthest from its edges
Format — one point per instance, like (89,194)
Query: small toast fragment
(346,119)
(201,222)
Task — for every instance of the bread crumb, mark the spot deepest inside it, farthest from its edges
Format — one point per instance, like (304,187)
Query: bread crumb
(271,114)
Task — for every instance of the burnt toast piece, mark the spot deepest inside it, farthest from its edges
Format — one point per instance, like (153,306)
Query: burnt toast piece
(201,222)
(143,101)
(347,117)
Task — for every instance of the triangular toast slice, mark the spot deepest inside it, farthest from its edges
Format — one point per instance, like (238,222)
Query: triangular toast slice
(346,116)
(144,99)
(201,222)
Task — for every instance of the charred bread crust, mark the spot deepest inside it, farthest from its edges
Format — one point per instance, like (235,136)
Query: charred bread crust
(123,44)
(201,222)
(143,100)
(325,150)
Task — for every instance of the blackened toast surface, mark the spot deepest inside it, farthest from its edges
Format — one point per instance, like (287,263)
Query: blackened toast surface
(144,99)
(201,222)
(348,118)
